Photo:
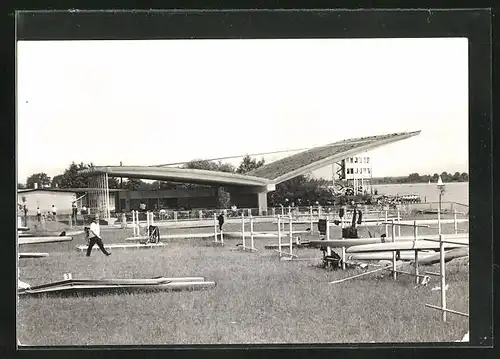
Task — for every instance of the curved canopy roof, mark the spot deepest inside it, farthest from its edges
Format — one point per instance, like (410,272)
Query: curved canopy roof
(267,175)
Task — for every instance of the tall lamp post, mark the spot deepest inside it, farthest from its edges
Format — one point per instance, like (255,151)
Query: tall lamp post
(440,186)
(441,189)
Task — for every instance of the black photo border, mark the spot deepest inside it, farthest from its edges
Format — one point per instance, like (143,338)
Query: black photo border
(475,24)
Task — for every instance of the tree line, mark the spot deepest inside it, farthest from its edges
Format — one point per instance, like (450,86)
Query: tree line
(417,178)
(299,191)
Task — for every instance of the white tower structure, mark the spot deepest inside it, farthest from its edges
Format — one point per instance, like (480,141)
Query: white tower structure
(358,173)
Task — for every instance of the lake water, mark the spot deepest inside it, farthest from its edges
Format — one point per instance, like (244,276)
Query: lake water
(454,191)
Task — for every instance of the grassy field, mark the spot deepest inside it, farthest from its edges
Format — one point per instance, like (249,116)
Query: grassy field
(258,298)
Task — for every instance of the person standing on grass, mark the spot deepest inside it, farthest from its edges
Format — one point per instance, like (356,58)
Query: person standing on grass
(38,214)
(54,213)
(221,220)
(74,212)
(95,237)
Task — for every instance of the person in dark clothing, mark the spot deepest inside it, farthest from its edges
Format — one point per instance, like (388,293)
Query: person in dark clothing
(95,237)
(221,220)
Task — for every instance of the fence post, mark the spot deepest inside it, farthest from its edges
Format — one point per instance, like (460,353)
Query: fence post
(175,216)
(394,274)
(443,276)
(311,215)
(455,220)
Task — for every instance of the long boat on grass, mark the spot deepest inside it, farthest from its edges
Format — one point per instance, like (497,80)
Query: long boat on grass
(418,245)
(350,242)
(93,286)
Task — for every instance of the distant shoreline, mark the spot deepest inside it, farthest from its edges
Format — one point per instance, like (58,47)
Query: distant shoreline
(412,183)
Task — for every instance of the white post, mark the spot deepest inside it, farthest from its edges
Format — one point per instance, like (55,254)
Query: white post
(200,214)
(107,197)
(386,226)
(415,233)
(319,210)
(289,210)
(215,227)
(251,231)
(394,252)
(133,222)
(243,228)
(311,215)
(282,210)
(327,229)
(124,220)
(455,220)
(443,276)
(279,235)
(439,220)
(175,216)
(291,236)
(399,227)
(147,223)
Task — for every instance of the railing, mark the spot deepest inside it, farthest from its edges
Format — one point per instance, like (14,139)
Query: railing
(304,213)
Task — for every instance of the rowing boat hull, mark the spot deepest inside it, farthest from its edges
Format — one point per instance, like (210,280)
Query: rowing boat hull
(33,255)
(39,240)
(405,245)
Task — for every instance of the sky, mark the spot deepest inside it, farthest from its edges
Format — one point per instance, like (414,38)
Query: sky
(152,102)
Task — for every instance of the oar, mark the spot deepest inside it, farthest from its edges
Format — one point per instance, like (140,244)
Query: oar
(360,275)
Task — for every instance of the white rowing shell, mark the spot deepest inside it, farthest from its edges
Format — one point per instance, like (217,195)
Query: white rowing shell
(38,240)
(405,245)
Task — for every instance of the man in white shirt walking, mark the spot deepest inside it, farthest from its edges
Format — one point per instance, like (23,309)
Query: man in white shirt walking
(95,237)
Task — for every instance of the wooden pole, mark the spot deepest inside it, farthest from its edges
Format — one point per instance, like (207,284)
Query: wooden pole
(443,276)
(394,274)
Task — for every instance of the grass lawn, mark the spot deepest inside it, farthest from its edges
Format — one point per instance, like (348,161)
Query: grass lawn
(258,298)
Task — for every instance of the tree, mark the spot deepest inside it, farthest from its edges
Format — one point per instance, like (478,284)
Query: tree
(72,178)
(413,177)
(248,164)
(41,178)
(223,198)
(132,184)
(113,183)
(209,166)
(301,190)
(56,181)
